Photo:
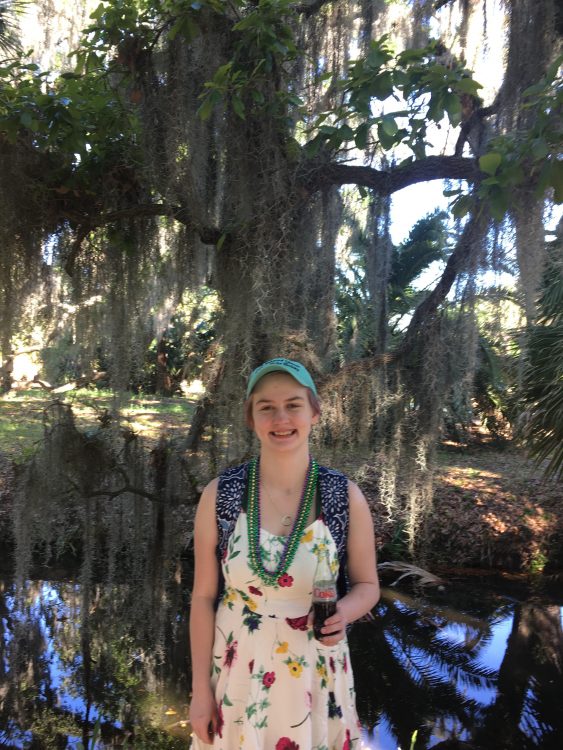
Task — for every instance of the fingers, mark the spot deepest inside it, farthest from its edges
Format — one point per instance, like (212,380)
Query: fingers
(205,727)
(205,732)
(334,629)
(212,727)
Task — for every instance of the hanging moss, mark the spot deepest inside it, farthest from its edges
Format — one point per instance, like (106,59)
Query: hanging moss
(269,251)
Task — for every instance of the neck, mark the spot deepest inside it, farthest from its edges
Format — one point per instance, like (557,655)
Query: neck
(283,472)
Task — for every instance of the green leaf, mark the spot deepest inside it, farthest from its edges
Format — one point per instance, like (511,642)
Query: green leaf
(238,106)
(346,133)
(386,141)
(491,181)
(468,86)
(462,206)
(490,162)
(206,108)
(222,73)
(221,241)
(452,106)
(389,125)
(312,147)
(498,203)
(361,136)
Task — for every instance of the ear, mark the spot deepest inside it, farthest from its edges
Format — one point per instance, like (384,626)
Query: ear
(315,418)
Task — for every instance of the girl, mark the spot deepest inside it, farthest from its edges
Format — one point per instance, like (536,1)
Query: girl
(261,680)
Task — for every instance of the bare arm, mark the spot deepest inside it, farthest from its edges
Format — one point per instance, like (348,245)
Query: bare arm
(203,710)
(362,568)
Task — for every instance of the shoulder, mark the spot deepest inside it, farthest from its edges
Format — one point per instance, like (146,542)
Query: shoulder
(206,505)
(360,512)
(210,491)
(355,494)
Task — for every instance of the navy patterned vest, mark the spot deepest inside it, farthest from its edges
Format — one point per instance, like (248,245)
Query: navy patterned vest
(333,487)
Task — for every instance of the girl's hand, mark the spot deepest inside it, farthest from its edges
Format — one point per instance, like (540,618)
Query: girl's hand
(203,715)
(336,626)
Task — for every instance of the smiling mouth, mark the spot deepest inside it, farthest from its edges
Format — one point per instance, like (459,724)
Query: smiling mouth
(285,433)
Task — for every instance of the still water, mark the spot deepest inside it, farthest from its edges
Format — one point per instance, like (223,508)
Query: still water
(470,663)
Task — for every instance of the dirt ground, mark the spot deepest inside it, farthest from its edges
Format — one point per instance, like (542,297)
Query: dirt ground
(491,509)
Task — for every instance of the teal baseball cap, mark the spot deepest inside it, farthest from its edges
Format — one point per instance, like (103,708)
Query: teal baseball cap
(280,364)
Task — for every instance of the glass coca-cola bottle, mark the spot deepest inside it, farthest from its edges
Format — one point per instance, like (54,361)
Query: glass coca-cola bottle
(324,595)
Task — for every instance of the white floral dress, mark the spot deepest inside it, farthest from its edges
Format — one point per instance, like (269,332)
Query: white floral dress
(276,686)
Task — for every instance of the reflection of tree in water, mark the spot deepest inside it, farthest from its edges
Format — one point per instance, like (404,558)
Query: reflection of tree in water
(414,677)
(527,710)
(407,671)
(113,638)
(409,674)
(28,697)
(111,670)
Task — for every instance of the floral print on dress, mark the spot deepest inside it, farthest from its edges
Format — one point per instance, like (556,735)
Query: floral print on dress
(284,743)
(276,686)
(230,652)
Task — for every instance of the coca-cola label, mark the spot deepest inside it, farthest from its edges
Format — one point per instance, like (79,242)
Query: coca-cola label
(327,592)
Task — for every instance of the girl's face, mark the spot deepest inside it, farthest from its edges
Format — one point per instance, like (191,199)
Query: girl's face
(282,415)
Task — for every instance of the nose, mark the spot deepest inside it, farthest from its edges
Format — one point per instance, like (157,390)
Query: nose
(280,415)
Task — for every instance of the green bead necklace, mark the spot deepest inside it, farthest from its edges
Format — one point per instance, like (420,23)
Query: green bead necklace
(270,577)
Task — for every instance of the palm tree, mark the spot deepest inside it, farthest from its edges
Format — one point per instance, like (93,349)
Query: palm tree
(9,29)
(543,377)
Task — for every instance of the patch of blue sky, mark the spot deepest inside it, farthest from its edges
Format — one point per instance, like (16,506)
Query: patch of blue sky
(381,737)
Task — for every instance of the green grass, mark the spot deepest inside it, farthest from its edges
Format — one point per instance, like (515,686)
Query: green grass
(22,414)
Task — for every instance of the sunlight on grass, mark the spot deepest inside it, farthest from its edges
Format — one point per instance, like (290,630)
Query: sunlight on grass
(22,414)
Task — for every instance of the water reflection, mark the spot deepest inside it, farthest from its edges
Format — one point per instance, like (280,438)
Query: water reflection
(485,670)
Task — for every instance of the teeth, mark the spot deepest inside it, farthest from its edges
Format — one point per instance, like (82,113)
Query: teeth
(282,434)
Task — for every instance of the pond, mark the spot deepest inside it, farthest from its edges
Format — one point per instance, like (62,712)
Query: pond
(469,663)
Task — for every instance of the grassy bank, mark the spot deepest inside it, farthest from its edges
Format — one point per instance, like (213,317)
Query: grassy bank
(22,414)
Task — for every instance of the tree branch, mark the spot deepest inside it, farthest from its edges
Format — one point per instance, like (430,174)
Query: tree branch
(308,9)
(470,239)
(470,123)
(208,235)
(389,181)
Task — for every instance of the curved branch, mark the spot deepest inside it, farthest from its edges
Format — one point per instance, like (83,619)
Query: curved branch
(469,242)
(470,123)
(208,235)
(388,181)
